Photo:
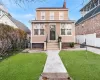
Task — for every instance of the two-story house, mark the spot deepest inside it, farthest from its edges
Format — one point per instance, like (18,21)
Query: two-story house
(51,23)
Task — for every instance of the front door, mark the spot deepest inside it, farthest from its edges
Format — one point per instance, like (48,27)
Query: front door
(52,32)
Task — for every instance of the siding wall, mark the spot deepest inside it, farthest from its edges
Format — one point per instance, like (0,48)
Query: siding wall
(6,20)
(56,14)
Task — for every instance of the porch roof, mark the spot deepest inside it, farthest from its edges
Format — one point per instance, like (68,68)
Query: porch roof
(52,21)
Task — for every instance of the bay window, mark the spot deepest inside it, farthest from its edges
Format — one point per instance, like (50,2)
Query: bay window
(66,29)
(39,29)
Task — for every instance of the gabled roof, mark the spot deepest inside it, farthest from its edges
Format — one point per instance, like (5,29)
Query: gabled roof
(3,8)
(19,24)
(90,14)
(16,22)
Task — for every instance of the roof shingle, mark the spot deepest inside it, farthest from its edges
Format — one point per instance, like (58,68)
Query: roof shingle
(90,14)
(19,24)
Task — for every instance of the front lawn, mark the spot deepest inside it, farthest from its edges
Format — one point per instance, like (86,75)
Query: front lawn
(22,67)
(81,65)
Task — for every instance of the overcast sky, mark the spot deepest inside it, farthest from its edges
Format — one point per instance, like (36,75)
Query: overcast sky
(26,12)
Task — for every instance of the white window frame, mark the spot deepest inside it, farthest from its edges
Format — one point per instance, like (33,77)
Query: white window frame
(66,26)
(39,27)
(61,15)
(42,14)
(51,15)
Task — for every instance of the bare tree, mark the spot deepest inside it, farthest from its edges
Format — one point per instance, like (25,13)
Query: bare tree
(11,39)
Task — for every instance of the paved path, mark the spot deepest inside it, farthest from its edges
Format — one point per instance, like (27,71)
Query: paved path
(54,68)
(94,50)
(54,63)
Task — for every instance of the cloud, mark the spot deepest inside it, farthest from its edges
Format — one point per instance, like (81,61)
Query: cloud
(24,16)
(28,15)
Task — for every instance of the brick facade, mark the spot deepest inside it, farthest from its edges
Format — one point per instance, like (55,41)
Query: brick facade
(89,26)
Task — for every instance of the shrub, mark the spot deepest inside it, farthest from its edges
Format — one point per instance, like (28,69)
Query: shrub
(72,44)
(59,39)
(11,39)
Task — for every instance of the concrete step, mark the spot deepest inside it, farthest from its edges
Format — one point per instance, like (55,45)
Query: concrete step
(52,48)
(52,43)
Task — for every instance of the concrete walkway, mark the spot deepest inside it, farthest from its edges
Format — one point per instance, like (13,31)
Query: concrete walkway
(54,67)
(54,63)
(94,50)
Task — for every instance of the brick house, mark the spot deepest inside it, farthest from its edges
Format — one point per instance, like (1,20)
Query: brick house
(50,24)
(89,23)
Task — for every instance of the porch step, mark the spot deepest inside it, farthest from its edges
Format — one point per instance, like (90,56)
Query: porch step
(52,46)
(53,41)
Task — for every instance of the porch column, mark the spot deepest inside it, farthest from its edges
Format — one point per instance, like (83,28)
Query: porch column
(45,47)
(60,44)
(31,45)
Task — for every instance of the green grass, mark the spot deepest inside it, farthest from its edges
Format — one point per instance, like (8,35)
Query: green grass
(22,67)
(81,65)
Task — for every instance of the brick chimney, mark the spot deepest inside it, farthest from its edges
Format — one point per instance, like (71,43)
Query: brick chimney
(64,5)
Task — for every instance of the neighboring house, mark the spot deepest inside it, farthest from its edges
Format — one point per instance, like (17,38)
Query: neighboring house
(7,19)
(51,23)
(89,23)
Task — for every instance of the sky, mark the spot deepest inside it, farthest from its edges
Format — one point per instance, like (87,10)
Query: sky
(26,12)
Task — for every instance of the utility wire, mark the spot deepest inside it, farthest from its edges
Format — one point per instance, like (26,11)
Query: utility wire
(81,4)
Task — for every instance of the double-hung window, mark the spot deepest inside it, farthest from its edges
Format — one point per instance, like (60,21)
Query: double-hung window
(66,29)
(42,15)
(51,15)
(42,26)
(61,16)
(39,29)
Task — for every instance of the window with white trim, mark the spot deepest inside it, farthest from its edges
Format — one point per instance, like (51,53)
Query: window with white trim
(42,15)
(51,15)
(61,15)
(66,29)
(39,29)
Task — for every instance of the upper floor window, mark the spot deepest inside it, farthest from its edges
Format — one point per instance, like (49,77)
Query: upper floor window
(61,16)
(39,29)
(66,29)
(51,15)
(42,15)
